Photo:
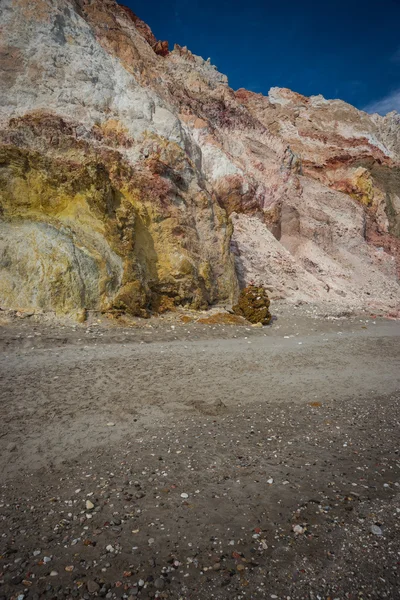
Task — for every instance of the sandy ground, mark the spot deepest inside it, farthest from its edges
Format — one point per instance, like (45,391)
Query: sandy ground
(185,461)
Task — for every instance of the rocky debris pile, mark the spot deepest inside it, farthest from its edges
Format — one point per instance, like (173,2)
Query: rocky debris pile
(253,305)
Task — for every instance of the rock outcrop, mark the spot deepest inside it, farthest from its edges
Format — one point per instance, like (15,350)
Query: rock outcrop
(253,305)
(132,178)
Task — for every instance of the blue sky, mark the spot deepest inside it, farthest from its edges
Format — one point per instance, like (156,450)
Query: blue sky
(348,49)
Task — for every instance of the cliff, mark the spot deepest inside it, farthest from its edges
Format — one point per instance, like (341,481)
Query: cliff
(133,178)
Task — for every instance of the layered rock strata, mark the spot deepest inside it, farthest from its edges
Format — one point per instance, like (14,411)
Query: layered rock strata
(134,179)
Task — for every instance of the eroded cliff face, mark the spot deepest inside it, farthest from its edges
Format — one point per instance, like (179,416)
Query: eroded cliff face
(133,178)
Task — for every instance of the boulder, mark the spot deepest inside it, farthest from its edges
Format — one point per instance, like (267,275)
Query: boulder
(253,305)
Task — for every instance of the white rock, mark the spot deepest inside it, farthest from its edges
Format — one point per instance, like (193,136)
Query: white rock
(376,530)
(298,529)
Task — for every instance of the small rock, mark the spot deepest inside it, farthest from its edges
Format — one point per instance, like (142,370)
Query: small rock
(110,424)
(159,583)
(184,495)
(89,505)
(92,586)
(298,529)
(376,530)
(53,574)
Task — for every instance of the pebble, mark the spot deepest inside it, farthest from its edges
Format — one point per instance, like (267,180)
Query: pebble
(53,574)
(376,530)
(89,505)
(159,583)
(110,424)
(92,586)
(184,495)
(298,529)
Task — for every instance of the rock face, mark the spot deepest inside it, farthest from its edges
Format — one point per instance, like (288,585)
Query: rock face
(133,178)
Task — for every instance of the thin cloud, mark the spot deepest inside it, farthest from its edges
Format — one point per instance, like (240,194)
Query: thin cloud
(386,104)
(396,56)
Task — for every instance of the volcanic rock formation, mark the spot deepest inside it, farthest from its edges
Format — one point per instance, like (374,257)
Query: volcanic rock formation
(133,178)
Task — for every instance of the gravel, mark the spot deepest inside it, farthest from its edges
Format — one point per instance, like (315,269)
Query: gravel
(232,471)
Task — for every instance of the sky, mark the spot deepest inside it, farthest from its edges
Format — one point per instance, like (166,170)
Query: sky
(347,49)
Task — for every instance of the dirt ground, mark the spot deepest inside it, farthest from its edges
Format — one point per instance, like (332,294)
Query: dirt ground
(190,461)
